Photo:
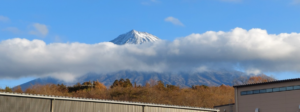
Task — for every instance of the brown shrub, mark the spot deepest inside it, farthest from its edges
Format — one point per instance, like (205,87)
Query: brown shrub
(152,92)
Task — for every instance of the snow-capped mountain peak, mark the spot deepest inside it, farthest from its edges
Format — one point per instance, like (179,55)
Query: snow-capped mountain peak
(134,37)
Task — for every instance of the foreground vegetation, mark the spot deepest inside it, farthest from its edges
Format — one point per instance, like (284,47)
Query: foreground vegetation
(151,92)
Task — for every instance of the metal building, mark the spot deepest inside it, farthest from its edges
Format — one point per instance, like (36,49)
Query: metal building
(14,102)
(273,96)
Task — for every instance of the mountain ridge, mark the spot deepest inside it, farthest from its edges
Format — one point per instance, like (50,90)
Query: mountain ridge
(182,79)
(134,37)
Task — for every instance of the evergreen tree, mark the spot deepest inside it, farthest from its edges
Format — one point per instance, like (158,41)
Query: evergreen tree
(121,83)
(7,89)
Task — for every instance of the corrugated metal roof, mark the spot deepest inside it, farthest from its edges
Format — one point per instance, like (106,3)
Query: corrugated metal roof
(270,82)
(101,101)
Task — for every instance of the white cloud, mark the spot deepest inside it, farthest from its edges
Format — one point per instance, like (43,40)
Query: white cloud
(255,51)
(12,30)
(253,72)
(174,21)
(4,19)
(39,30)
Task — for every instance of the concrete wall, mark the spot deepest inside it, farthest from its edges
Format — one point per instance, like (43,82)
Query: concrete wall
(285,101)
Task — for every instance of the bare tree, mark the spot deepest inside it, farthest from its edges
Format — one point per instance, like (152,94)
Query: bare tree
(240,80)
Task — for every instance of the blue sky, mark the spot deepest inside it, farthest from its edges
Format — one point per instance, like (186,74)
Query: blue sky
(95,21)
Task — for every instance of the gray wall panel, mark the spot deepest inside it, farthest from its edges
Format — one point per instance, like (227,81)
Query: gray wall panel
(76,106)
(19,104)
(31,103)
(106,107)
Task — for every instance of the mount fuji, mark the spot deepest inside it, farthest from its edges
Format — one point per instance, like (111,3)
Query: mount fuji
(134,37)
(183,79)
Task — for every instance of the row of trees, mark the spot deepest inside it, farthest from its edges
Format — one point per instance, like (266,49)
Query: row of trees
(151,92)
(254,79)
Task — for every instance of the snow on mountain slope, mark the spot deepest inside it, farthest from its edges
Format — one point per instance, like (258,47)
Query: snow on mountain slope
(134,37)
(183,79)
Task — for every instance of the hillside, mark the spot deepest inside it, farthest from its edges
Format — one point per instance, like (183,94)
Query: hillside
(140,78)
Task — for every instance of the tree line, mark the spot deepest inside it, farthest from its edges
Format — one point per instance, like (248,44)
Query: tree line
(152,92)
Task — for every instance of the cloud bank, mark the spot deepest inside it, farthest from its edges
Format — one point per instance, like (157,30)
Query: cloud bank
(252,50)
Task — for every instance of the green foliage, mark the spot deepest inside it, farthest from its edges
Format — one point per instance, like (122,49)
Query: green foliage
(172,87)
(121,83)
(7,89)
(84,86)
(62,87)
